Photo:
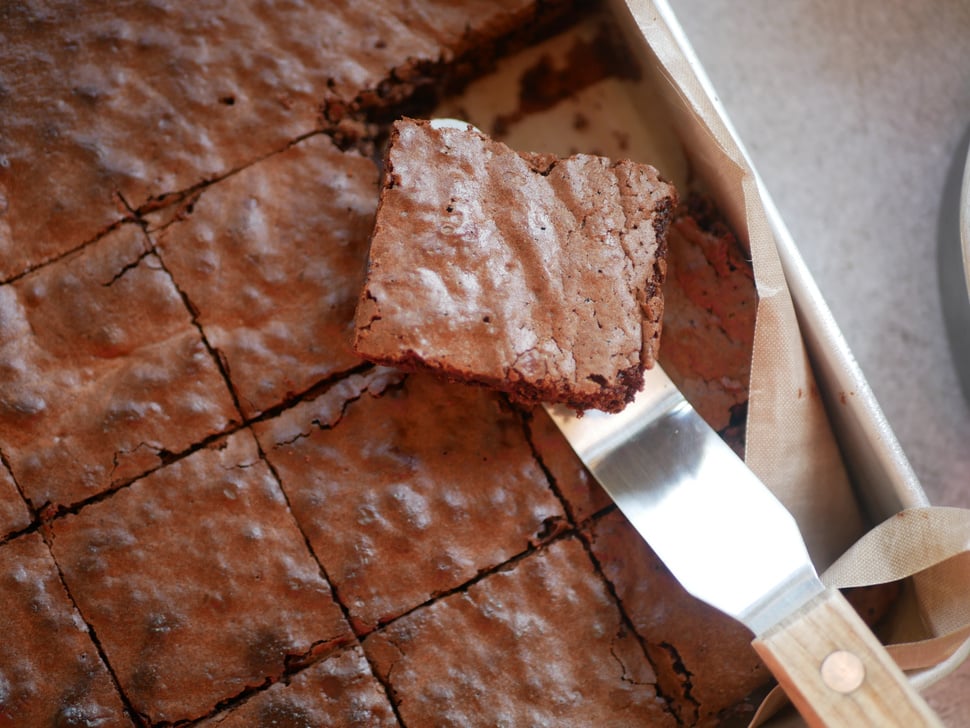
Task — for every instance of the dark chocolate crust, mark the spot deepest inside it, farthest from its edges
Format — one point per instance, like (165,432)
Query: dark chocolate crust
(534,275)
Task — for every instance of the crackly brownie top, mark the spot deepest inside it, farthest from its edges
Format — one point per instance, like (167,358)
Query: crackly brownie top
(539,643)
(273,259)
(407,488)
(50,670)
(536,275)
(103,372)
(339,690)
(197,581)
(129,101)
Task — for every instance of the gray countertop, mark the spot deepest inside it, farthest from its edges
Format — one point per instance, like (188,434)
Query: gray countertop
(852,112)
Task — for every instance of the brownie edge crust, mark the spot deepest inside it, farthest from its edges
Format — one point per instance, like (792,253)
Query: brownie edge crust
(532,274)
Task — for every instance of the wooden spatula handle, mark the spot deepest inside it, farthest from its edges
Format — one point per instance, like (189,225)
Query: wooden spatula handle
(837,673)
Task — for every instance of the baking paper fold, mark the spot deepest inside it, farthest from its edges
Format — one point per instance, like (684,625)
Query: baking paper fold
(790,441)
(930,547)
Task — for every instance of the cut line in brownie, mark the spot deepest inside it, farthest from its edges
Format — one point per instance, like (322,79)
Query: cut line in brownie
(14,514)
(198,582)
(339,690)
(126,104)
(104,372)
(535,275)
(583,496)
(703,657)
(273,259)
(540,642)
(50,671)
(408,488)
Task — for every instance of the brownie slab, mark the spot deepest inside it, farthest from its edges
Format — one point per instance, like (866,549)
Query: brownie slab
(124,103)
(408,489)
(702,656)
(273,260)
(539,643)
(50,671)
(197,581)
(535,275)
(103,372)
(339,690)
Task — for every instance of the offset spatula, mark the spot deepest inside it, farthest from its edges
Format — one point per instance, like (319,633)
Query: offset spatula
(731,543)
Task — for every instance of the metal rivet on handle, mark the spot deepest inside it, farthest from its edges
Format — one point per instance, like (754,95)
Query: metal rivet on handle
(843,671)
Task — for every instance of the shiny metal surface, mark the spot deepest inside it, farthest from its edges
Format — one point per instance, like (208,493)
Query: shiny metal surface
(719,530)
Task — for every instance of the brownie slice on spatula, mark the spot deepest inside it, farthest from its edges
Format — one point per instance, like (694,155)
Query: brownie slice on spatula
(529,273)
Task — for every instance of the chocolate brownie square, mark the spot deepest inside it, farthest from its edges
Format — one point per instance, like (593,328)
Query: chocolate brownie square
(50,670)
(13,511)
(339,690)
(535,275)
(103,372)
(273,260)
(540,642)
(704,658)
(197,581)
(408,488)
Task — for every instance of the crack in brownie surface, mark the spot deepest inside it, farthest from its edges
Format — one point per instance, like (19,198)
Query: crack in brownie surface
(410,490)
(99,380)
(198,581)
(144,99)
(275,274)
(541,643)
(50,671)
(339,690)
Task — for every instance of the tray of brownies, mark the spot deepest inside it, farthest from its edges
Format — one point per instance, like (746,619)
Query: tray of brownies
(234,492)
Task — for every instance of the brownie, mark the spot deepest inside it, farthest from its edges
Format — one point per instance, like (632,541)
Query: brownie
(50,670)
(128,102)
(272,259)
(104,374)
(534,275)
(13,511)
(711,303)
(538,643)
(407,489)
(198,582)
(581,494)
(703,657)
(339,690)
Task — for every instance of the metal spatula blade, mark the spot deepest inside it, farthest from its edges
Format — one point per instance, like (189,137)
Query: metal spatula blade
(731,543)
(680,485)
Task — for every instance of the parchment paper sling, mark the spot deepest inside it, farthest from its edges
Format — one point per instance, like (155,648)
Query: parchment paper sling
(931,546)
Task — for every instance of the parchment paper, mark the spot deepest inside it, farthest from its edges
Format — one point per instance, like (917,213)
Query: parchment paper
(790,441)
